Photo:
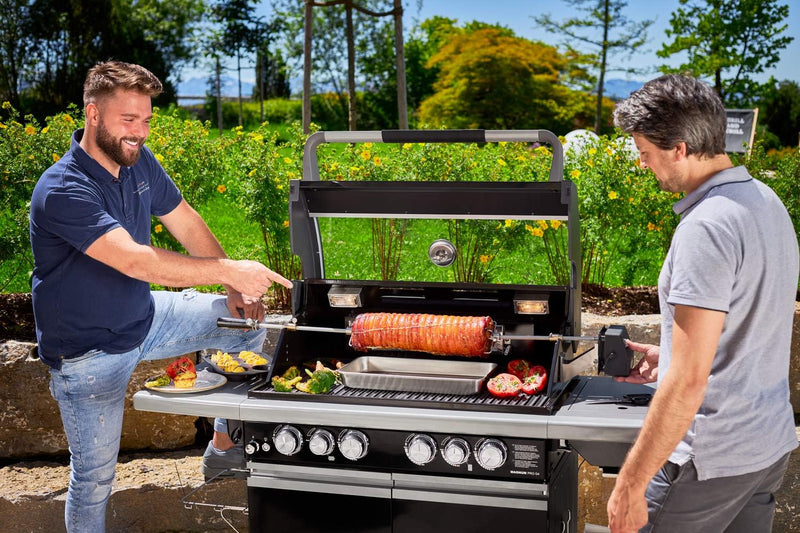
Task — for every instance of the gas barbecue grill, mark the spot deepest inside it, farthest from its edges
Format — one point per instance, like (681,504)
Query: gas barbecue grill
(410,440)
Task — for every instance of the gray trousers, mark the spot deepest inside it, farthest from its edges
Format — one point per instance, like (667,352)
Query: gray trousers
(678,502)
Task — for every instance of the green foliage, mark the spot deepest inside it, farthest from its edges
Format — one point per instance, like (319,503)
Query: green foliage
(239,182)
(26,150)
(728,42)
(490,79)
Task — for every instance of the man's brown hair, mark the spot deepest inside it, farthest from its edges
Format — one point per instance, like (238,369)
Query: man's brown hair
(105,78)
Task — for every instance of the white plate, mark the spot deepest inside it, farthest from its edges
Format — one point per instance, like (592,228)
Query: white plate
(205,381)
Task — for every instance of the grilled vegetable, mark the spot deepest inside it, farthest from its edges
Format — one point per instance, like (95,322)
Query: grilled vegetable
(291,373)
(179,366)
(281,384)
(436,334)
(319,382)
(519,367)
(159,381)
(504,385)
(535,379)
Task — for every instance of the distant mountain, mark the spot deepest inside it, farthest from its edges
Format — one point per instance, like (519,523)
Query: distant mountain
(200,86)
(617,89)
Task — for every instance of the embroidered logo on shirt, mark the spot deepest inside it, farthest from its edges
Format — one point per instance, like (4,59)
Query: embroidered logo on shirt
(142,187)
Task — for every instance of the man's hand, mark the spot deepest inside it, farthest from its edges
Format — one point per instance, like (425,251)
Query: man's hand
(646,371)
(245,307)
(627,509)
(252,279)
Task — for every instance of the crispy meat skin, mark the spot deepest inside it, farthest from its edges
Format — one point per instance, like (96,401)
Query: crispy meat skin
(417,332)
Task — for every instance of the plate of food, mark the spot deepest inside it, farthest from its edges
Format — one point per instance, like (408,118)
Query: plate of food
(181,377)
(236,366)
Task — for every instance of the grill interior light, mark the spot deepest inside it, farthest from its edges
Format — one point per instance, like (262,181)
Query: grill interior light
(344,296)
(531,305)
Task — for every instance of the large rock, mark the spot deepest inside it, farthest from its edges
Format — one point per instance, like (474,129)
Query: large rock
(30,425)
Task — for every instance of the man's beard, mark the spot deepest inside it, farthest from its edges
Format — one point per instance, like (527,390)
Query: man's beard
(113,147)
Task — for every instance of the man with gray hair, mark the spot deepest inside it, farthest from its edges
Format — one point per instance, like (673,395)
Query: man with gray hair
(716,440)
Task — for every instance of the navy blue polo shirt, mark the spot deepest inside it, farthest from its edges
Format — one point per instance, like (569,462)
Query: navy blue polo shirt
(79,303)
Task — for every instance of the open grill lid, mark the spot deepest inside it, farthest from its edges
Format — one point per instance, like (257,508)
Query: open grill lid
(311,199)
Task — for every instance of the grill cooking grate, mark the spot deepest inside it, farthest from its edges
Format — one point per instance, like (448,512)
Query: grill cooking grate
(483,401)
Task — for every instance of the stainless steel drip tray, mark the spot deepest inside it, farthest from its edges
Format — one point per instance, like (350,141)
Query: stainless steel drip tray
(415,375)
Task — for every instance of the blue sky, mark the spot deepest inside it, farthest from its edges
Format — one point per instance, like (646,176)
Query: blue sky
(519,16)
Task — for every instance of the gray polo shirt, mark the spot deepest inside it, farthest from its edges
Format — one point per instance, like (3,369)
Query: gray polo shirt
(735,250)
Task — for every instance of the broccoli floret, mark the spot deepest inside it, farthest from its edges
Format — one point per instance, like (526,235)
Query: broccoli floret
(291,373)
(282,384)
(320,381)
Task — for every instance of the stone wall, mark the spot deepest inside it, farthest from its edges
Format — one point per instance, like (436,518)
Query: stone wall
(149,487)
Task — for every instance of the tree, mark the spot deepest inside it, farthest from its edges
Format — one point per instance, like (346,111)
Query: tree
(238,24)
(489,78)
(728,42)
(608,31)
(779,111)
(15,47)
(69,36)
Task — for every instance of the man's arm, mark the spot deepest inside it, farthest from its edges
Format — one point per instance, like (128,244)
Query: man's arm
(206,266)
(695,337)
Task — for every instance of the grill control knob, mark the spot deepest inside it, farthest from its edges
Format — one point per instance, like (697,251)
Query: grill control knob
(353,444)
(321,442)
(251,447)
(288,440)
(490,453)
(420,448)
(455,451)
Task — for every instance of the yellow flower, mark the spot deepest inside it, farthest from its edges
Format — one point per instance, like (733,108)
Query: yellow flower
(555,224)
(56,157)
(221,188)
(367,145)
(68,119)
(365,155)
(575,173)
(485,259)
(287,160)
(590,163)
(536,232)
(501,162)
(45,129)
(406,146)
(30,130)
(613,195)
(542,224)
(6,105)
(377,161)
(251,173)
(592,151)
(3,126)
(651,226)
(609,151)
(160,158)
(285,223)
(159,228)
(509,223)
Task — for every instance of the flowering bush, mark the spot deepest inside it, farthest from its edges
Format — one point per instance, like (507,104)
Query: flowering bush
(626,221)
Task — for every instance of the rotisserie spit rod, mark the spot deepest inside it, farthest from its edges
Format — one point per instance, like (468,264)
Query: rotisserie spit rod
(249,323)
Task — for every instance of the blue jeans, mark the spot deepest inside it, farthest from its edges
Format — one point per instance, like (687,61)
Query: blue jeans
(90,391)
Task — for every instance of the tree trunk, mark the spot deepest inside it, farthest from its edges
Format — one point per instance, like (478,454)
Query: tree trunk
(219,98)
(604,52)
(351,69)
(402,109)
(239,70)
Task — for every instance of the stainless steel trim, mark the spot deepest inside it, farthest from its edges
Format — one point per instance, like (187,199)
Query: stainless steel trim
(469,499)
(315,486)
(469,485)
(324,480)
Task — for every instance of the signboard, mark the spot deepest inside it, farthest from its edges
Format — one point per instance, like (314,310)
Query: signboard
(740,130)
